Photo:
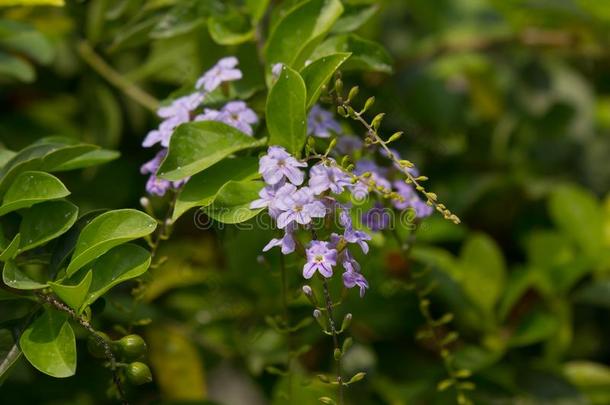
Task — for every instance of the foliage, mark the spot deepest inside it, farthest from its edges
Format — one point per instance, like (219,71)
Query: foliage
(500,296)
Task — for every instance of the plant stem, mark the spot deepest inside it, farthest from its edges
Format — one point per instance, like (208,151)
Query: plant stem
(286,322)
(115,78)
(60,306)
(333,331)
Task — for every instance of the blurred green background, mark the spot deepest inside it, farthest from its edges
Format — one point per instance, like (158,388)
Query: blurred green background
(505,105)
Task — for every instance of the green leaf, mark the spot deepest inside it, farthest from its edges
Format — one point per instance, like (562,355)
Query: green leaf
(354,17)
(9,353)
(24,39)
(57,157)
(17,67)
(579,215)
(106,231)
(232,203)
(587,374)
(230,29)
(535,326)
(300,30)
(202,188)
(482,271)
(92,158)
(46,221)
(195,146)
(11,250)
(73,295)
(5,156)
(285,112)
(119,264)
(49,344)
(366,55)
(318,73)
(257,9)
(15,278)
(30,188)
(67,242)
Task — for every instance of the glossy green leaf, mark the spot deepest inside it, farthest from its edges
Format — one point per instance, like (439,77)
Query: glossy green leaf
(318,73)
(195,146)
(202,188)
(67,242)
(366,55)
(119,264)
(230,29)
(232,203)
(46,221)
(92,158)
(10,251)
(354,17)
(57,157)
(579,215)
(15,278)
(285,111)
(30,188)
(106,231)
(49,344)
(482,271)
(5,156)
(300,30)
(73,295)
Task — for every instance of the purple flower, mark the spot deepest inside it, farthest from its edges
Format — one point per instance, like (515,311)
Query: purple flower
(299,206)
(208,115)
(352,279)
(377,218)
(321,258)
(181,106)
(359,190)
(277,164)
(238,115)
(323,177)
(348,144)
(270,194)
(377,173)
(223,71)
(359,237)
(155,185)
(286,243)
(176,113)
(412,200)
(320,123)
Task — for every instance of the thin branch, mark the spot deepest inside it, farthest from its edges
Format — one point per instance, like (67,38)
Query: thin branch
(115,78)
(333,331)
(60,306)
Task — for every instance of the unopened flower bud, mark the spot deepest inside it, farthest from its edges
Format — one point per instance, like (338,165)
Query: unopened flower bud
(317,314)
(308,291)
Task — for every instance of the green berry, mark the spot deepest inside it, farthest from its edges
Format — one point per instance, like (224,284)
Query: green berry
(138,373)
(132,346)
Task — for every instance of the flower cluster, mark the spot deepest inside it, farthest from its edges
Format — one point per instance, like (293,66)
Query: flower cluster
(294,205)
(186,109)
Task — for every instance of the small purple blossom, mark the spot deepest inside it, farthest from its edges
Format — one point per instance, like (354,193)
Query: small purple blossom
(347,144)
(286,243)
(155,185)
(208,115)
(270,194)
(358,237)
(323,177)
(299,206)
(223,71)
(377,218)
(320,123)
(174,114)
(352,279)
(321,258)
(277,164)
(238,115)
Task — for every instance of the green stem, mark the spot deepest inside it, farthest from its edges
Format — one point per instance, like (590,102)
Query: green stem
(60,306)
(333,331)
(115,78)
